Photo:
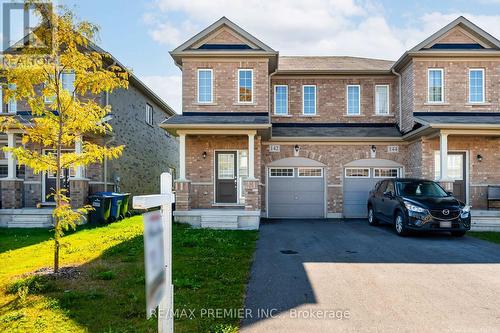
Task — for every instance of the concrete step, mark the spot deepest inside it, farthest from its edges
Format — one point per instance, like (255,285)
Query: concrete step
(30,221)
(485,223)
(219,221)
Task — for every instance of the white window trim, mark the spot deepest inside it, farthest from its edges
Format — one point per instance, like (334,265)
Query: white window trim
(375,176)
(238,90)
(315,100)
(211,85)
(310,168)
(346,176)
(12,101)
(388,103)
(287,105)
(442,86)
(484,86)
(347,100)
(148,116)
(278,168)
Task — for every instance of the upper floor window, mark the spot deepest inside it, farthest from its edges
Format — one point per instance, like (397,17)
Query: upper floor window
(435,85)
(476,85)
(149,114)
(68,81)
(382,99)
(353,100)
(309,100)
(245,85)
(205,86)
(12,104)
(280,99)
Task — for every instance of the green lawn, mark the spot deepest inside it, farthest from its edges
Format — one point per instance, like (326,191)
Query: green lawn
(486,235)
(210,270)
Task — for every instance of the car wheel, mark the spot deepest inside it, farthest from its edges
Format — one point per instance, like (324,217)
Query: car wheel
(458,233)
(399,224)
(372,220)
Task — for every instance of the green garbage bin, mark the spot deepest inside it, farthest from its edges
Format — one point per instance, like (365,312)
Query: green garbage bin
(125,205)
(102,209)
(116,202)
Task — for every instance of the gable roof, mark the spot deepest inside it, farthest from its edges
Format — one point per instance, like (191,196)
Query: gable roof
(468,28)
(332,64)
(256,47)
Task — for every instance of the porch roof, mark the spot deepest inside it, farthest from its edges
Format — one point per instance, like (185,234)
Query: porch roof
(462,118)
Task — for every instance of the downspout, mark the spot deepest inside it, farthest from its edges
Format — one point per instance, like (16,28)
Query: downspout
(400,107)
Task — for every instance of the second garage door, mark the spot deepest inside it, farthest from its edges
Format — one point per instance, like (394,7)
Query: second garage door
(296,192)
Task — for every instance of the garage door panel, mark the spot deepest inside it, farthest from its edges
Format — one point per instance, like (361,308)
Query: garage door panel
(296,211)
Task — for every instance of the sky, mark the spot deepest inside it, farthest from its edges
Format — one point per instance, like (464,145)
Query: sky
(140,33)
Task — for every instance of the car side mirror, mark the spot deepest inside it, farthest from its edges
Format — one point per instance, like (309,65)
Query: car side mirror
(388,194)
(450,193)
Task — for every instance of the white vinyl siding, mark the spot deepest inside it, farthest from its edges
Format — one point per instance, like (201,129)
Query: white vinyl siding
(205,86)
(245,85)
(382,99)
(353,100)
(435,83)
(309,100)
(476,85)
(280,100)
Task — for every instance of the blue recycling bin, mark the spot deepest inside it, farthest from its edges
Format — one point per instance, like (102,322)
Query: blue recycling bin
(116,203)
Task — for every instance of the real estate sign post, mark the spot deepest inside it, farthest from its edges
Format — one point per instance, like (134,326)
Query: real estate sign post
(158,252)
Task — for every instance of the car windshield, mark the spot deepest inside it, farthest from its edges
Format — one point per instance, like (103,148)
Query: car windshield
(421,189)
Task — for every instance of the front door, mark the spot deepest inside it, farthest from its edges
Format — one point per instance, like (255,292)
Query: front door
(226,185)
(50,183)
(457,171)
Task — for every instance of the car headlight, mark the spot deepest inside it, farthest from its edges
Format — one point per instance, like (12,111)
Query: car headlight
(466,209)
(413,208)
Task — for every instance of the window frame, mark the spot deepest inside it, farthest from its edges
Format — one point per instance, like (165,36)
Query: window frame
(441,70)
(386,177)
(388,102)
(211,85)
(309,168)
(304,86)
(347,99)
(13,101)
(357,168)
(149,117)
(252,90)
(275,94)
(278,168)
(484,86)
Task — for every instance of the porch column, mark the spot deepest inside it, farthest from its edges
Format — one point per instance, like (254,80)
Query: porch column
(443,151)
(182,157)
(79,149)
(251,148)
(11,161)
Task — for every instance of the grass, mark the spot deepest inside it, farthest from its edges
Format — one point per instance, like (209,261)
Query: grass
(210,270)
(490,236)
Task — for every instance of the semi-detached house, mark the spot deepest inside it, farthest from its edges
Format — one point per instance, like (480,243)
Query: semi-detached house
(264,135)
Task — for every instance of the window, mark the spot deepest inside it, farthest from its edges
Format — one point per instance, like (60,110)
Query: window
(280,100)
(245,85)
(205,86)
(68,81)
(357,173)
(309,100)
(476,85)
(385,173)
(149,114)
(353,100)
(310,172)
(382,99)
(12,104)
(390,187)
(225,166)
(435,84)
(455,166)
(281,172)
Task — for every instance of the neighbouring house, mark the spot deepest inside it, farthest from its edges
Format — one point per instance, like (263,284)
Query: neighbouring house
(264,135)
(149,151)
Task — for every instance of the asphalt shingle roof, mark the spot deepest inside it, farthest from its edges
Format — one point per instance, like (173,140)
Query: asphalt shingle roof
(332,63)
(336,131)
(209,119)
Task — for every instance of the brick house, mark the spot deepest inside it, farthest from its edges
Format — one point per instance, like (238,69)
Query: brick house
(148,152)
(264,135)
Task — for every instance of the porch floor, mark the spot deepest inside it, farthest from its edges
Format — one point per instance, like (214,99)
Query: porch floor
(26,218)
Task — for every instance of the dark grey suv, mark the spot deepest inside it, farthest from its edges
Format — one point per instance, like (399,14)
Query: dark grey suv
(417,205)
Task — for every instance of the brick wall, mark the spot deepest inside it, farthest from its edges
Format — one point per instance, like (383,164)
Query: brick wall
(407,89)
(225,84)
(331,98)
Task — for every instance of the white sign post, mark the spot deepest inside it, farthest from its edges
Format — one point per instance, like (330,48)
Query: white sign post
(159,287)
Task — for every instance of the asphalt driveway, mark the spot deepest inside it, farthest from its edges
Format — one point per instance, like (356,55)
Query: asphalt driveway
(325,276)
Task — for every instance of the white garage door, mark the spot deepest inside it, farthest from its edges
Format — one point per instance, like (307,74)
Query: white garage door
(296,192)
(358,182)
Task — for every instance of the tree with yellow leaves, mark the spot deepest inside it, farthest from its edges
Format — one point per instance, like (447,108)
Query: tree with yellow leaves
(62,115)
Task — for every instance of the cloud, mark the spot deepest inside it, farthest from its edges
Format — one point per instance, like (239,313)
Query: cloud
(168,87)
(313,27)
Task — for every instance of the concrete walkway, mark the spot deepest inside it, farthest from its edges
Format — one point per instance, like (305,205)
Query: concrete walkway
(324,276)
